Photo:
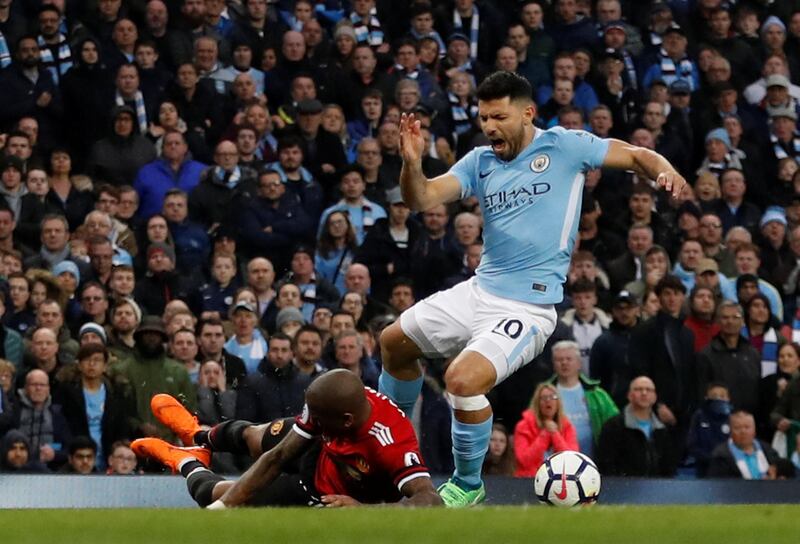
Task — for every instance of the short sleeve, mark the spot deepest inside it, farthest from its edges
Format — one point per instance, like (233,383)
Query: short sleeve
(589,149)
(304,425)
(401,459)
(465,172)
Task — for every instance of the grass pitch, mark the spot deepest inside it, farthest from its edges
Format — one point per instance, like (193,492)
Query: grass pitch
(498,525)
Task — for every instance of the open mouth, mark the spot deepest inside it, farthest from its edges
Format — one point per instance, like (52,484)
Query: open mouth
(498,145)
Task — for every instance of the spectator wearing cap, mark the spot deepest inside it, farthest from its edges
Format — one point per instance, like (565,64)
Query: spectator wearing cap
(457,59)
(151,371)
(386,247)
(731,360)
(702,309)
(289,321)
(297,179)
(608,358)
(161,283)
(223,188)
(719,153)
(774,41)
(314,288)
(616,37)
(363,212)
(323,154)
(784,136)
(173,169)
(247,342)
(69,278)
(609,14)
(778,94)
(663,349)
(672,62)
(707,274)
(776,255)
(276,389)
(773,65)
(272,223)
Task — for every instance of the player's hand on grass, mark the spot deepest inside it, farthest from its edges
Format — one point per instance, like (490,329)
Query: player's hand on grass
(411,140)
(339,501)
(672,182)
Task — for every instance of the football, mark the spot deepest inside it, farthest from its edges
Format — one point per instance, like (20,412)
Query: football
(567,479)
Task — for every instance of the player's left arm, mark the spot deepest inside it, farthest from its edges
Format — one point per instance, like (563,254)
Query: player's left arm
(645,162)
(265,470)
(420,492)
(417,492)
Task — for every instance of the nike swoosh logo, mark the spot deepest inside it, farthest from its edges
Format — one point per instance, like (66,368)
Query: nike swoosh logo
(484,174)
(561,495)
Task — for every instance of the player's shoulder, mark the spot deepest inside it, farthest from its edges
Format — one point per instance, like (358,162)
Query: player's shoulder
(567,134)
(389,423)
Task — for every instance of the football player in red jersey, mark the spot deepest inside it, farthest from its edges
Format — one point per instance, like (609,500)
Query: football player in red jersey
(350,445)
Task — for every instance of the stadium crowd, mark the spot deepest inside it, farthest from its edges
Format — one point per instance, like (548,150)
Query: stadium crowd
(200,197)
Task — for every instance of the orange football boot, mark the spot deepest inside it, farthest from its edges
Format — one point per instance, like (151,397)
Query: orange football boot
(169,455)
(175,416)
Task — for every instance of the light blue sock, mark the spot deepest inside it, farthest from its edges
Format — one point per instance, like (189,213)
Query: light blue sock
(404,393)
(470,444)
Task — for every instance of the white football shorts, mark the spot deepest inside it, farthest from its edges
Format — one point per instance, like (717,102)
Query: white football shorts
(508,332)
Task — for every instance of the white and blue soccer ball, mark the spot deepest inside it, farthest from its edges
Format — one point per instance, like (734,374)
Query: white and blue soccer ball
(567,479)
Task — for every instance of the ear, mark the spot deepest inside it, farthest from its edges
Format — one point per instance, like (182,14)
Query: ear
(348,420)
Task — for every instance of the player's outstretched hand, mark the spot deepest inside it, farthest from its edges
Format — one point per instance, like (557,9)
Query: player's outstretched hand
(672,182)
(339,501)
(411,140)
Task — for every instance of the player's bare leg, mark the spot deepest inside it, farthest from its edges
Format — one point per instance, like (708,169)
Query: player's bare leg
(401,379)
(468,378)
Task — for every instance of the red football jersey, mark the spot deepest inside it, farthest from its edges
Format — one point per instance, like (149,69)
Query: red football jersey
(375,462)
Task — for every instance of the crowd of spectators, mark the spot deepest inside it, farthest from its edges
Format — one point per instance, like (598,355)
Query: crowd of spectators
(200,197)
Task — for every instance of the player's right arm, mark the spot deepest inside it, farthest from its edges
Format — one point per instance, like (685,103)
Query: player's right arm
(265,469)
(420,193)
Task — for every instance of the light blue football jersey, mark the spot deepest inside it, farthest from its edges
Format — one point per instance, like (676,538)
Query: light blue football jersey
(531,209)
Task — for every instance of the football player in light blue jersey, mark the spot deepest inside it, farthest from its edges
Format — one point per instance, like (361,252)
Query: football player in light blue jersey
(529,183)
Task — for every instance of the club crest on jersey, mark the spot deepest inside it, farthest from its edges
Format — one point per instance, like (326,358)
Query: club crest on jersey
(540,163)
(276,428)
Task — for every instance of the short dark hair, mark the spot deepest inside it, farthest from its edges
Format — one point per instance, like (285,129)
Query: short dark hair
(305,328)
(290,141)
(670,282)
(81,443)
(208,322)
(280,336)
(505,84)
(87,350)
(583,286)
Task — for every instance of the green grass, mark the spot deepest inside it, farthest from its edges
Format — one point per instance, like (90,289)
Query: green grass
(497,525)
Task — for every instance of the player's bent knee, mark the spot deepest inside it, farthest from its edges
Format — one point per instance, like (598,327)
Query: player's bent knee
(468,404)
(397,349)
